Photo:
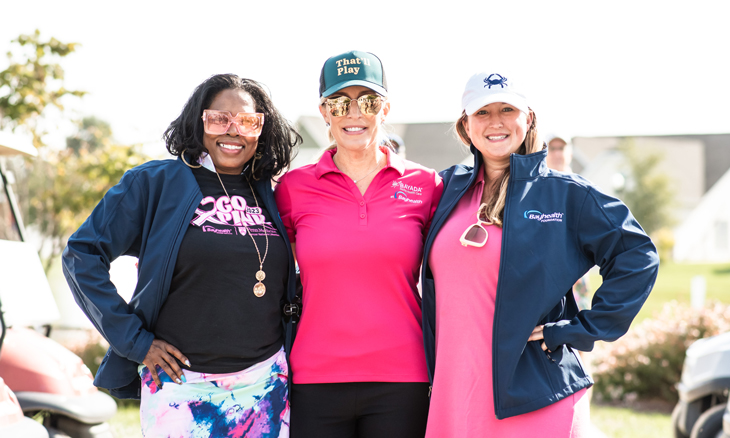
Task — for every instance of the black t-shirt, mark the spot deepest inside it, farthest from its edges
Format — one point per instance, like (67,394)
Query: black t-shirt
(211,313)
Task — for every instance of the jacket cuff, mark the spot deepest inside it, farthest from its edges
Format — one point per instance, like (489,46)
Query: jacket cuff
(551,333)
(141,346)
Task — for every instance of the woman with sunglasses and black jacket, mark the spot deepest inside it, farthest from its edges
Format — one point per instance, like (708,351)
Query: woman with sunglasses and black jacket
(202,340)
(507,243)
(357,220)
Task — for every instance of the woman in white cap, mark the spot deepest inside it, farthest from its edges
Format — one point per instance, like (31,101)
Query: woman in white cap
(357,220)
(508,241)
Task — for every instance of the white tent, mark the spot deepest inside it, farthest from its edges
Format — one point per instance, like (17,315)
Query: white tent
(704,236)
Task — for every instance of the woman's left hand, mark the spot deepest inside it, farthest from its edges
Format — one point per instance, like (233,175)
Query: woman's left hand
(538,336)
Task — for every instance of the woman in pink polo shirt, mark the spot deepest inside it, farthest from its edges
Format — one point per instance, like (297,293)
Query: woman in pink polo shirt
(358,219)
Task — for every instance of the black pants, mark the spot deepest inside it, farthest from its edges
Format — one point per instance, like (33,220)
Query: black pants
(359,410)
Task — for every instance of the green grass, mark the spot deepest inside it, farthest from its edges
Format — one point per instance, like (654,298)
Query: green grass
(626,423)
(126,422)
(673,283)
(614,422)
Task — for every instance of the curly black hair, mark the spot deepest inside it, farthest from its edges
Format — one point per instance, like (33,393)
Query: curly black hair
(278,136)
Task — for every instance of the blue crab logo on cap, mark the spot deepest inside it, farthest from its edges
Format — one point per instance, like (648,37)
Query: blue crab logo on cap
(495,79)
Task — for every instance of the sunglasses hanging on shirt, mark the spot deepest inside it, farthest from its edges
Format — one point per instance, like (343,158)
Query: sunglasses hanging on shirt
(476,235)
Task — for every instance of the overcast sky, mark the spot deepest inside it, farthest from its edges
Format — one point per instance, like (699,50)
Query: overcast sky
(621,68)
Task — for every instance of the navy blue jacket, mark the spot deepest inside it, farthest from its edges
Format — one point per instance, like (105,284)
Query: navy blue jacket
(145,216)
(556,227)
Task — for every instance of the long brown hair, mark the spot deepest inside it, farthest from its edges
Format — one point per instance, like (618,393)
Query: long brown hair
(496,200)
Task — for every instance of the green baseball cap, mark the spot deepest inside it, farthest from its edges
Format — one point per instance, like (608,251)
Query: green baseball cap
(352,68)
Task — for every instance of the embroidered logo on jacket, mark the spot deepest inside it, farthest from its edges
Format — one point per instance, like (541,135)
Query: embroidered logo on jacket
(542,217)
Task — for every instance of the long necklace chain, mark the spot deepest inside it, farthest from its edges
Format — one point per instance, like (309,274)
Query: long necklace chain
(377,166)
(259,289)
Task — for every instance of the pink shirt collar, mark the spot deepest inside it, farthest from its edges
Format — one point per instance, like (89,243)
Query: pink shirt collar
(326,164)
(479,182)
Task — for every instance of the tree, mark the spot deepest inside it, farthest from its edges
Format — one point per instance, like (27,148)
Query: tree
(647,191)
(32,82)
(63,186)
(93,133)
(58,189)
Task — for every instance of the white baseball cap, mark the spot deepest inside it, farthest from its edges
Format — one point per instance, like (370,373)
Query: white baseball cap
(484,88)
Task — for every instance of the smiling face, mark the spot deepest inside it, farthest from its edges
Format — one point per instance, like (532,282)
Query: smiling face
(230,152)
(354,131)
(497,130)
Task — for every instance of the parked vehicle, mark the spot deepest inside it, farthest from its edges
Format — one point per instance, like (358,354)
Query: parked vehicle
(703,390)
(13,424)
(726,422)
(49,382)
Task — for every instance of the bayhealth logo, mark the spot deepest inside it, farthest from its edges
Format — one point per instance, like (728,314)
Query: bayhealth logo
(404,197)
(542,217)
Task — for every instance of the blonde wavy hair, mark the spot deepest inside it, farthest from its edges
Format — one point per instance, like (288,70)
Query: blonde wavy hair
(497,198)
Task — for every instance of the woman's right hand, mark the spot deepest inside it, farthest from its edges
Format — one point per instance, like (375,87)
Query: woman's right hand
(537,335)
(163,355)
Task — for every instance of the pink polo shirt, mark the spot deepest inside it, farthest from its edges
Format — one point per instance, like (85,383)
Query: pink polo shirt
(359,257)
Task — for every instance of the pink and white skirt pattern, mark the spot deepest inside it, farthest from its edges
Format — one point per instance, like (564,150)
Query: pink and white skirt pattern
(253,403)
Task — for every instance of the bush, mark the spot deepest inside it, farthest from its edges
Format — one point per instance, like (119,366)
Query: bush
(89,345)
(664,240)
(93,354)
(91,349)
(647,362)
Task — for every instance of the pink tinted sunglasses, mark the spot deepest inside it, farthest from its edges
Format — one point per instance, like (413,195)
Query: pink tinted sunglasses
(218,122)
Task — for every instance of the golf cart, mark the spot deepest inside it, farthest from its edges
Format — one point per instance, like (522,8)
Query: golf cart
(703,390)
(50,382)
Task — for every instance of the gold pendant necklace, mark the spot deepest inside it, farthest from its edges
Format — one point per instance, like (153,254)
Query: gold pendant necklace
(258,289)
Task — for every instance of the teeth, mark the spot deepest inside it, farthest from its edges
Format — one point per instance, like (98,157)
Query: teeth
(233,147)
(354,129)
(496,137)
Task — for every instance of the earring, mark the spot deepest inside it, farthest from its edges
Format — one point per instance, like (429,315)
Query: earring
(182,155)
(256,156)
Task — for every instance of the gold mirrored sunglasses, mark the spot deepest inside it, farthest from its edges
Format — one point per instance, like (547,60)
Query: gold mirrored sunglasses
(369,104)
(476,234)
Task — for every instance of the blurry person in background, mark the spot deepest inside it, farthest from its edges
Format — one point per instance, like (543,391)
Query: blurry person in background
(560,158)
(560,155)
(397,144)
